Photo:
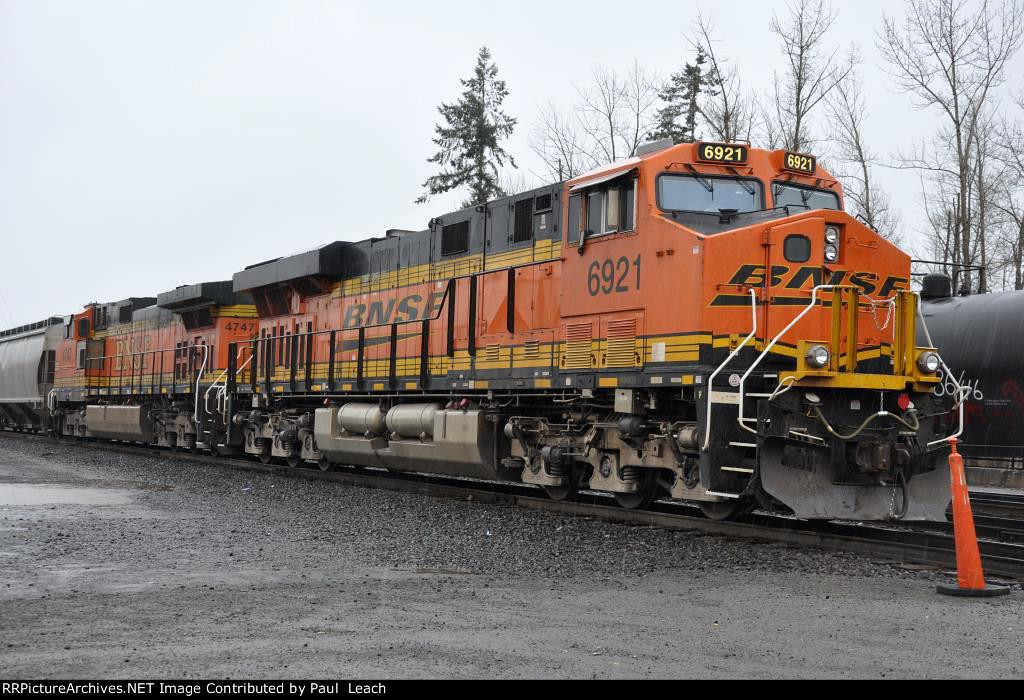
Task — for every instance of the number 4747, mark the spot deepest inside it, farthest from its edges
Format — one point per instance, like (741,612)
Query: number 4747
(613,276)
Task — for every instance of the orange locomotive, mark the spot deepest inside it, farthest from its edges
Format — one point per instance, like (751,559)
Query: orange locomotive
(701,322)
(141,369)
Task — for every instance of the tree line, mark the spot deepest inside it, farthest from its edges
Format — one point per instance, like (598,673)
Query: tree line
(949,57)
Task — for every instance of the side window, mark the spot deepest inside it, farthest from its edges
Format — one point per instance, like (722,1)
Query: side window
(595,212)
(611,209)
(575,212)
(629,207)
(620,207)
(83,327)
(81,354)
(455,238)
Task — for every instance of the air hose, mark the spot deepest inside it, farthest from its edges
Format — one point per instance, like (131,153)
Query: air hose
(867,421)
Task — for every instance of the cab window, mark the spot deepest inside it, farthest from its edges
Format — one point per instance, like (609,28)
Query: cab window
(787,194)
(709,193)
(608,209)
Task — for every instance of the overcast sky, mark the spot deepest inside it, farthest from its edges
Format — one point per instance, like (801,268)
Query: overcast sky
(144,145)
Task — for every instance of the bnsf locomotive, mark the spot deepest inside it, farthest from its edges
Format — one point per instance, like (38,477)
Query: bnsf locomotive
(701,322)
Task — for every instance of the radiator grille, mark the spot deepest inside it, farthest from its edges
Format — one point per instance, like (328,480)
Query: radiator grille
(578,337)
(621,348)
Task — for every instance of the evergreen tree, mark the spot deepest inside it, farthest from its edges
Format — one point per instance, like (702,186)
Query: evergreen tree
(469,152)
(677,120)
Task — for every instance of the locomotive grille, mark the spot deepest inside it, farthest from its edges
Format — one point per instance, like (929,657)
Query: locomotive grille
(578,337)
(492,353)
(621,343)
(531,350)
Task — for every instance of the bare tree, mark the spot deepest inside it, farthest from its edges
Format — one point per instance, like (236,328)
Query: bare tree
(557,140)
(848,112)
(616,113)
(988,174)
(950,57)
(811,72)
(725,108)
(1008,195)
(612,117)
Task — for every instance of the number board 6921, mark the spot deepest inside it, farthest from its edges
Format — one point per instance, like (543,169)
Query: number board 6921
(721,153)
(800,163)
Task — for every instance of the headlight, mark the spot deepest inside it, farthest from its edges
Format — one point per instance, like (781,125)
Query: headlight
(831,234)
(817,356)
(831,253)
(929,362)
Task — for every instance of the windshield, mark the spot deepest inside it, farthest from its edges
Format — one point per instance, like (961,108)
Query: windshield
(794,195)
(709,193)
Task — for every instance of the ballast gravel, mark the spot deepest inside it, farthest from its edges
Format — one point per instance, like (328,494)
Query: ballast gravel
(115,565)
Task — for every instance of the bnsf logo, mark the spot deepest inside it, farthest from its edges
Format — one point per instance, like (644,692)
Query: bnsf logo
(412,307)
(785,277)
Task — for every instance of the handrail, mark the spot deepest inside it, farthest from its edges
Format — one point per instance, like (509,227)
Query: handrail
(206,357)
(222,389)
(734,353)
(961,391)
(760,358)
(741,420)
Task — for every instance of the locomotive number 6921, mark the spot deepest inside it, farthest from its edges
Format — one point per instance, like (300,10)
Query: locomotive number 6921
(613,276)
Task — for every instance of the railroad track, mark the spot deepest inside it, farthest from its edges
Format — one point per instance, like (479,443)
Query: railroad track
(1001,536)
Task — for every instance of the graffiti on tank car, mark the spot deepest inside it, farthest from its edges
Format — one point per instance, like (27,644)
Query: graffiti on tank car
(971,388)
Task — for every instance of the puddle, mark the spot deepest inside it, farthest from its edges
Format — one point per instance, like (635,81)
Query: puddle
(48,494)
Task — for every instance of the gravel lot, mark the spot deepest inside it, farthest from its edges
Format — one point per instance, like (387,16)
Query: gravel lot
(116,566)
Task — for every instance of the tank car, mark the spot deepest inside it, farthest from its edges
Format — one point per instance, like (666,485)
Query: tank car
(978,337)
(701,322)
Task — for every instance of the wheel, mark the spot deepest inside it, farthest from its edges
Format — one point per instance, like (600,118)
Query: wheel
(266,457)
(562,493)
(643,496)
(293,461)
(569,489)
(723,510)
(324,464)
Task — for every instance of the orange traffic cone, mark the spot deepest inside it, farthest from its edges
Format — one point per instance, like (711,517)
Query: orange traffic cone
(969,576)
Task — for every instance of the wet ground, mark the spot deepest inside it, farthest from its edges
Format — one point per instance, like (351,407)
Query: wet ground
(115,566)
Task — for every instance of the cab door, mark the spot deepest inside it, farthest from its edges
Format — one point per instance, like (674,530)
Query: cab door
(602,298)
